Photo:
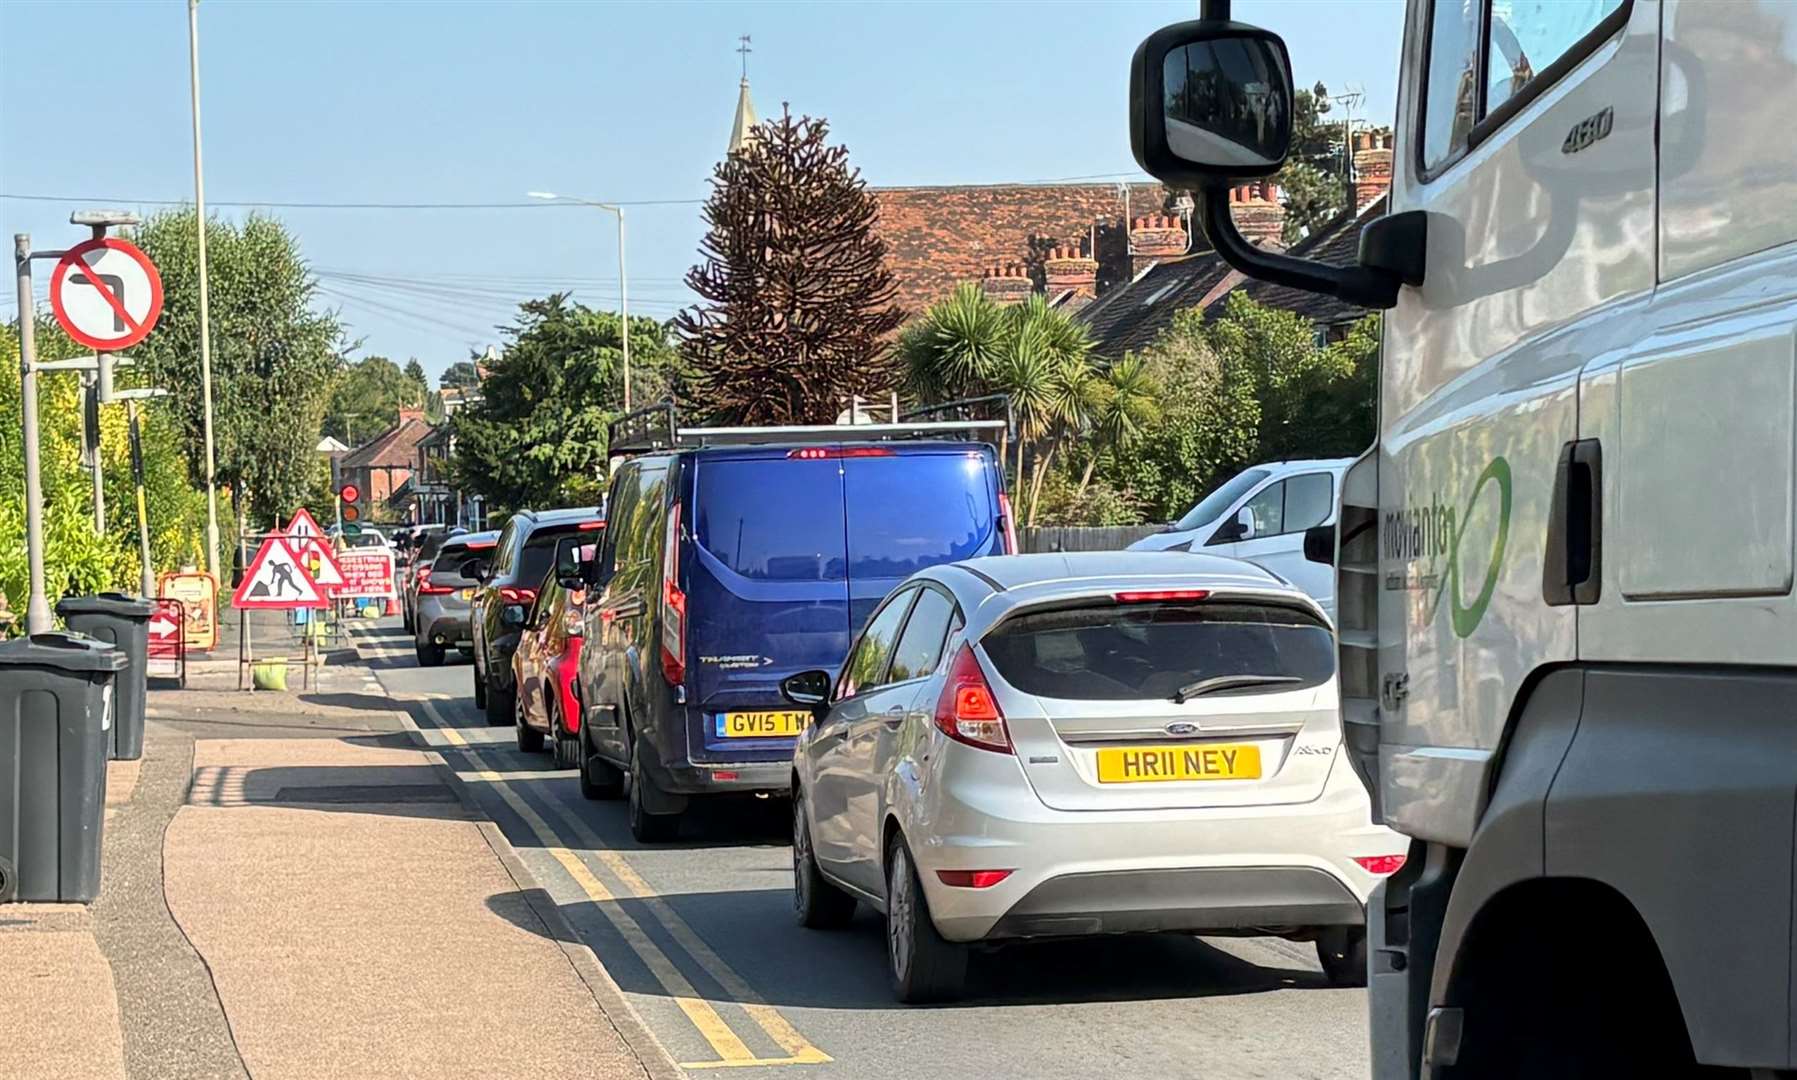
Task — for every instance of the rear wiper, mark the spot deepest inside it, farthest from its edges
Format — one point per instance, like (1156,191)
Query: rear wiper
(1228,682)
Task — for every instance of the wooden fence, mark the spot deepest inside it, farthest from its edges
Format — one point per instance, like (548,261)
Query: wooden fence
(1083,537)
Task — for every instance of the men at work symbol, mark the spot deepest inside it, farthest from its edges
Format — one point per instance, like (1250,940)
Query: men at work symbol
(283,580)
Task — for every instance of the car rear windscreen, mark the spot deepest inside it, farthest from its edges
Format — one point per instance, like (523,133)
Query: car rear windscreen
(446,565)
(538,556)
(1144,651)
(774,519)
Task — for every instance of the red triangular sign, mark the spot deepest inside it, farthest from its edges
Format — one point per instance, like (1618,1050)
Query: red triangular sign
(303,525)
(275,579)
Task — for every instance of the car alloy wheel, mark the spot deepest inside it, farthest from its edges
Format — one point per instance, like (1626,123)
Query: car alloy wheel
(923,966)
(816,903)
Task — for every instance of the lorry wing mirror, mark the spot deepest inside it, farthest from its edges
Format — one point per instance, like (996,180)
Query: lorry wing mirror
(1319,544)
(1210,102)
(1210,99)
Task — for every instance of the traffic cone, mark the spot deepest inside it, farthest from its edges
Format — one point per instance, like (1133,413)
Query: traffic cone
(392,606)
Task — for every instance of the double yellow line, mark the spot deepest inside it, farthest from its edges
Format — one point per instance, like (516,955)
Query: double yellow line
(730,1049)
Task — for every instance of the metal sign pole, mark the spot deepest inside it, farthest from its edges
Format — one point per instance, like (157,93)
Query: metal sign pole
(148,577)
(37,607)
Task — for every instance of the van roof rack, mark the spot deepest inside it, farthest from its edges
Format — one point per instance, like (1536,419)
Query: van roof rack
(657,427)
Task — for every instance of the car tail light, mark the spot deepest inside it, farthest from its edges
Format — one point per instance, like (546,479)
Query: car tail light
(821,453)
(513,595)
(967,712)
(588,526)
(1380,864)
(972,879)
(1004,513)
(1155,596)
(673,606)
(425,588)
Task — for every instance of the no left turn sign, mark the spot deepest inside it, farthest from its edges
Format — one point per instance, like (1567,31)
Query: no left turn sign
(106,293)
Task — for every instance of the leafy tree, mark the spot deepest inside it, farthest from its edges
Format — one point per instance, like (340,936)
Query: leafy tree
(367,398)
(459,374)
(1314,401)
(415,372)
(1209,416)
(537,436)
(274,354)
(1126,405)
(1312,178)
(797,299)
(951,349)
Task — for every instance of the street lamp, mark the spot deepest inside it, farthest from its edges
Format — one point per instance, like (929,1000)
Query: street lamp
(623,289)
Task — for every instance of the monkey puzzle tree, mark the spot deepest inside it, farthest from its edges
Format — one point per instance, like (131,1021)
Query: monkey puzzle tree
(797,299)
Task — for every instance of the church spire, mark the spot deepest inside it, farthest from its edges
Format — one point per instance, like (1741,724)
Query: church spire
(742,132)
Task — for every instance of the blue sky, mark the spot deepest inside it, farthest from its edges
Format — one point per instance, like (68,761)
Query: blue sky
(469,102)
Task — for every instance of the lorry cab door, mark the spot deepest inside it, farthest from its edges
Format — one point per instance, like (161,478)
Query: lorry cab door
(1529,132)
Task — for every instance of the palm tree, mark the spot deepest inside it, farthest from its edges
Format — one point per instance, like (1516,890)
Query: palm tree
(953,348)
(1126,404)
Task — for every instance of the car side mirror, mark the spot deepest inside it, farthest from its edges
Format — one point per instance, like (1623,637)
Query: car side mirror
(1236,528)
(810,689)
(474,569)
(1319,544)
(512,616)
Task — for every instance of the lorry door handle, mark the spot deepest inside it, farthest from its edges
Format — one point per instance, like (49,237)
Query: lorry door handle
(1572,571)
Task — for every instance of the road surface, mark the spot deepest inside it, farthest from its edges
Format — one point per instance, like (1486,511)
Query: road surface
(699,936)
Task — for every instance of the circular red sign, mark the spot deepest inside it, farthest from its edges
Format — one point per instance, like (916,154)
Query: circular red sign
(129,326)
(350,493)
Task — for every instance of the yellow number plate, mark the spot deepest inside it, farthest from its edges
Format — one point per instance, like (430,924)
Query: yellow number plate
(761,725)
(1210,761)
(466,593)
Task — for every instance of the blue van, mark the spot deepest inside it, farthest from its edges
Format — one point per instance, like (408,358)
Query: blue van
(726,568)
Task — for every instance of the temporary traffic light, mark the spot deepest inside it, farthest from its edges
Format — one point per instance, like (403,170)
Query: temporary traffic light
(350,493)
(351,513)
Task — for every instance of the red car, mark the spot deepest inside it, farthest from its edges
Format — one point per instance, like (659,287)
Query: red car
(545,665)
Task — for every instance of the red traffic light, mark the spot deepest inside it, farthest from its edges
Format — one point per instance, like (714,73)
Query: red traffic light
(349,493)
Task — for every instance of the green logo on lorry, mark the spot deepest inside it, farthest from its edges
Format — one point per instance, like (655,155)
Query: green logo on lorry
(1466,617)
(1436,533)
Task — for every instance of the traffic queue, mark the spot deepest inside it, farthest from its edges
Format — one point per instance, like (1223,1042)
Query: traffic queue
(981,745)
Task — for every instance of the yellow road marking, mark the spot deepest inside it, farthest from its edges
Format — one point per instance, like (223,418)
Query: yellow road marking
(769,1018)
(731,1050)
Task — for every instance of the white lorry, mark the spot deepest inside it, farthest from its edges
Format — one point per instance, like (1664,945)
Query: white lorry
(1567,627)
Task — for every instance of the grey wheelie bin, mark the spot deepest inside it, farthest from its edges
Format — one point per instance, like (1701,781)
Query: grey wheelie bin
(122,621)
(54,716)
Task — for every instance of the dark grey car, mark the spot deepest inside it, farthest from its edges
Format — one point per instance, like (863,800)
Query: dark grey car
(441,606)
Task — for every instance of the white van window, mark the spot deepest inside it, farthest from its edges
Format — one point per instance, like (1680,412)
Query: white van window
(1528,35)
(1308,500)
(1212,506)
(1267,510)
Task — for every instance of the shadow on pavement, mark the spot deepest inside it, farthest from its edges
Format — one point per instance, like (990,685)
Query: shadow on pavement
(846,969)
(417,791)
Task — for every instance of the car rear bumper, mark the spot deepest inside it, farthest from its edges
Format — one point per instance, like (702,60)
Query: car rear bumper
(1095,872)
(450,631)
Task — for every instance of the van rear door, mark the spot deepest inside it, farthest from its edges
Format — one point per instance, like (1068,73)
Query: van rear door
(766,581)
(913,506)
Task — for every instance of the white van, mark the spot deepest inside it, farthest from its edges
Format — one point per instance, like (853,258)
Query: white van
(1260,515)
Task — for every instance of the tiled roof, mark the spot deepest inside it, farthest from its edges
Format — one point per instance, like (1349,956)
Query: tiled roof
(395,448)
(1132,316)
(937,237)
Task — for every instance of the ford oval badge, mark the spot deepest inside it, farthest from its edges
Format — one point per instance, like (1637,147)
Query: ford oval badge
(1180,727)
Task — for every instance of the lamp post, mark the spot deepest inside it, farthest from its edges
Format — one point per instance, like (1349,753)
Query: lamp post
(623,288)
(199,216)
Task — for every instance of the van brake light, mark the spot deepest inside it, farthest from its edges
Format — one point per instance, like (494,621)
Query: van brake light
(673,606)
(966,711)
(821,453)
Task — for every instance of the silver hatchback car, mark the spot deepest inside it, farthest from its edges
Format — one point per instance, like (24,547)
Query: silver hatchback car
(1067,745)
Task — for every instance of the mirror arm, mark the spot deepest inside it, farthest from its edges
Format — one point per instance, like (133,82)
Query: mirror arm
(1365,286)
(1214,9)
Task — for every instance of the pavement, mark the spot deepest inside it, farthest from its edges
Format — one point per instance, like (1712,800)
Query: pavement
(293,885)
(699,936)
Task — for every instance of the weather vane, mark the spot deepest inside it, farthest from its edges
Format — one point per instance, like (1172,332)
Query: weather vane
(745,51)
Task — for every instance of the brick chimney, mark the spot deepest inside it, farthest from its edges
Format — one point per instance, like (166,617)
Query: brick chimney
(1071,268)
(1372,166)
(409,414)
(1152,239)
(1258,213)
(1008,284)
